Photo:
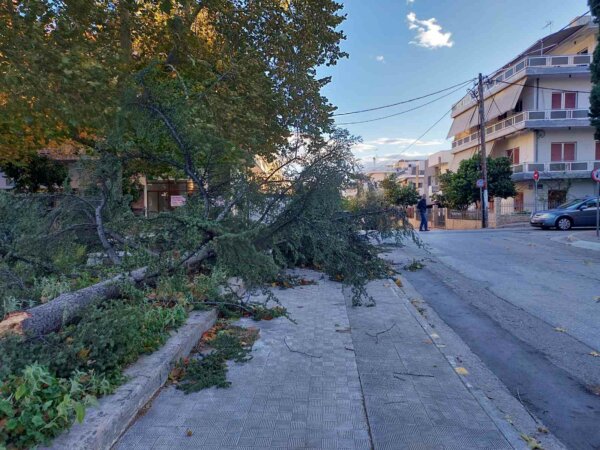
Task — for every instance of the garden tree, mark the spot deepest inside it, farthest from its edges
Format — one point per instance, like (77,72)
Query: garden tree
(460,189)
(595,71)
(37,173)
(398,194)
(256,59)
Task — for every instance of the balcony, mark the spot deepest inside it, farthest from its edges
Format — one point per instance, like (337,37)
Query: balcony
(526,119)
(531,65)
(552,170)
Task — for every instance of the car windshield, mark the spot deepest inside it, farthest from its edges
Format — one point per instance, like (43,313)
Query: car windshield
(570,205)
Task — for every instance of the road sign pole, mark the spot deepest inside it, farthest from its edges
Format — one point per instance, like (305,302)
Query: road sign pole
(536,197)
(598,211)
(596,178)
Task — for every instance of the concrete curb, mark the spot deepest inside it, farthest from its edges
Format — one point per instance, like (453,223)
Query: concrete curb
(574,241)
(104,423)
(508,430)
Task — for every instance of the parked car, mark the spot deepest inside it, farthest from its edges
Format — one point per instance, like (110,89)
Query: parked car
(576,213)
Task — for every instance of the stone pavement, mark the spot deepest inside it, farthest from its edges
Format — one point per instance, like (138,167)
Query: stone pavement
(328,382)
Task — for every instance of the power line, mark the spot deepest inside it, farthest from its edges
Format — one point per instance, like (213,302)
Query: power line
(407,110)
(427,131)
(404,101)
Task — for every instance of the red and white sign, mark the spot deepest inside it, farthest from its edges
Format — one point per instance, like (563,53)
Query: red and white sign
(596,175)
(177,200)
(536,175)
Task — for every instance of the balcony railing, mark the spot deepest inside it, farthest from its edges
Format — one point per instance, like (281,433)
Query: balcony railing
(517,121)
(556,166)
(500,78)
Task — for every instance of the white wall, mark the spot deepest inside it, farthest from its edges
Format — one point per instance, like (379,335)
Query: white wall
(4,183)
(584,137)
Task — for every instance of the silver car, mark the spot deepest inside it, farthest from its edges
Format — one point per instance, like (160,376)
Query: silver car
(576,213)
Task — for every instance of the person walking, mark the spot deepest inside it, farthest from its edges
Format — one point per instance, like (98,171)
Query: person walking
(422,207)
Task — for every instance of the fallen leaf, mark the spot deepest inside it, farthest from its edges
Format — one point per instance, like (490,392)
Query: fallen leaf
(532,443)
(560,329)
(461,371)
(543,430)
(398,282)
(597,298)
(188,433)
(595,354)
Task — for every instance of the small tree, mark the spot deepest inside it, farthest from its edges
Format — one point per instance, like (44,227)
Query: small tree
(460,189)
(36,173)
(595,71)
(397,194)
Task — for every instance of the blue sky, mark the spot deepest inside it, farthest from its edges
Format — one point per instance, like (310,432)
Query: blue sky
(401,49)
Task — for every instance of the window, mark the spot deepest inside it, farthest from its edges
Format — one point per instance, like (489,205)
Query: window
(513,155)
(564,100)
(562,151)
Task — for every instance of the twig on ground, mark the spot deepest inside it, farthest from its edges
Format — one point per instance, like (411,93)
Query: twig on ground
(413,374)
(298,351)
(376,335)
(349,349)
(526,409)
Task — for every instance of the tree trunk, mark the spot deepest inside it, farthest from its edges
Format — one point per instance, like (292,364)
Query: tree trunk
(51,316)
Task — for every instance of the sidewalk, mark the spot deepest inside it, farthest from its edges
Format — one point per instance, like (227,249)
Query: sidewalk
(337,380)
(583,239)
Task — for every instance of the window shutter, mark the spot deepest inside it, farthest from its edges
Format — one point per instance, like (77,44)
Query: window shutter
(597,150)
(556,100)
(556,152)
(516,156)
(570,100)
(569,152)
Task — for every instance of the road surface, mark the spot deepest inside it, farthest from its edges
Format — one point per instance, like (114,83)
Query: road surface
(528,306)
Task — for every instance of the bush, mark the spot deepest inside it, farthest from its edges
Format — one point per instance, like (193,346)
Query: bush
(46,382)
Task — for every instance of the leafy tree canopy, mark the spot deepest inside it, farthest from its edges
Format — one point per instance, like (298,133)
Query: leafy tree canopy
(398,194)
(460,189)
(39,172)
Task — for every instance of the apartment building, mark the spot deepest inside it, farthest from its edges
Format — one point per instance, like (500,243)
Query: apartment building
(437,164)
(411,172)
(536,110)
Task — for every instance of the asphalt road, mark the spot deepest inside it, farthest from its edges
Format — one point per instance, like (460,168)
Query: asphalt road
(527,306)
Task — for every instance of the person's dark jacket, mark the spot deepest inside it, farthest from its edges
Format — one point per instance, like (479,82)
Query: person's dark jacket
(422,205)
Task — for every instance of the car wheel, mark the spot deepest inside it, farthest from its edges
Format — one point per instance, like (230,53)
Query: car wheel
(564,223)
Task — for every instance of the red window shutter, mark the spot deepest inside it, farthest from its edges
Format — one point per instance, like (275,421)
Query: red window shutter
(515,155)
(570,100)
(556,100)
(570,152)
(597,151)
(556,152)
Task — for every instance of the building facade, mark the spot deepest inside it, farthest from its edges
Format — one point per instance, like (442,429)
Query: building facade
(536,111)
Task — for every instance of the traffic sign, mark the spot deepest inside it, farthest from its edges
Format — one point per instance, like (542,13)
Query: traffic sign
(596,175)
(480,183)
(536,175)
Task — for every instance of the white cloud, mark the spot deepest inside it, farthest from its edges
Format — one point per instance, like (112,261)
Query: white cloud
(404,142)
(380,59)
(360,148)
(429,32)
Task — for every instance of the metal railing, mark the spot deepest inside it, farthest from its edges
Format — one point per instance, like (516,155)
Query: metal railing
(501,77)
(519,119)
(556,166)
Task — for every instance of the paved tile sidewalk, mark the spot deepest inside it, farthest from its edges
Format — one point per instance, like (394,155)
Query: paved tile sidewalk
(414,398)
(289,400)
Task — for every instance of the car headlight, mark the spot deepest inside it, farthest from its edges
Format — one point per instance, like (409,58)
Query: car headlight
(544,216)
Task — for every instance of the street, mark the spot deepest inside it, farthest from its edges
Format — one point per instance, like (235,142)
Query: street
(527,306)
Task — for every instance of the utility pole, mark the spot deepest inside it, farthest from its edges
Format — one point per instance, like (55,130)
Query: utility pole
(484,203)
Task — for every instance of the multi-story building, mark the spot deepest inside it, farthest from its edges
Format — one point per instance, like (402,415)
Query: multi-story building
(411,172)
(536,113)
(437,164)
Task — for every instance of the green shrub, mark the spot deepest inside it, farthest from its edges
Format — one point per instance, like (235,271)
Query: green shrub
(36,405)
